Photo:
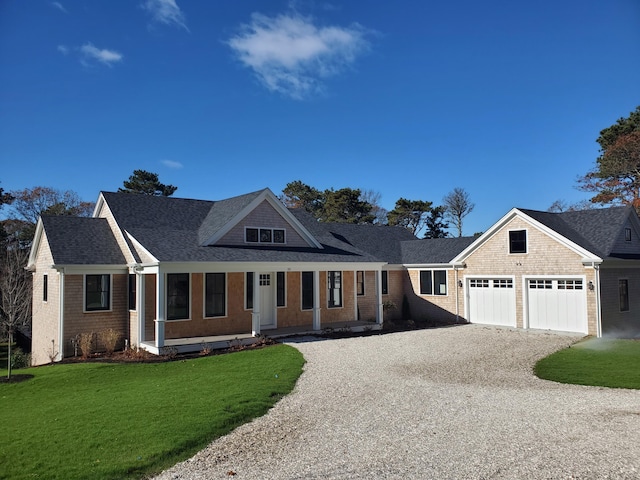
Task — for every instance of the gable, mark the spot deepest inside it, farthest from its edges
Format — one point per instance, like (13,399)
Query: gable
(543,251)
(264,216)
(627,243)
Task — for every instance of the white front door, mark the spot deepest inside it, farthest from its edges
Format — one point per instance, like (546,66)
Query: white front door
(267,300)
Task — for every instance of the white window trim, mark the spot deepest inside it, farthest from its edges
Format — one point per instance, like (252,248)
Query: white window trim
(226,296)
(433,284)
(284,231)
(526,242)
(84,294)
(166,297)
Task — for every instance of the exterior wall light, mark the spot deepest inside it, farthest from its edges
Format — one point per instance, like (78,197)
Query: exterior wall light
(590,284)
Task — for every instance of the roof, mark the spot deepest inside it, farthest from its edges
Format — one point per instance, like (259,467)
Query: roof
(595,230)
(81,241)
(433,250)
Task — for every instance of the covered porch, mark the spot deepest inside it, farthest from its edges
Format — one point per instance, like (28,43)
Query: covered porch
(253,301)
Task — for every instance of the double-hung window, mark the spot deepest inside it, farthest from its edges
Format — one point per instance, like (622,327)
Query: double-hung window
(307,290)
(385,282)
(433,282)
(97,292)
(334,282)
(360,282)
(45,288)
(281,289)
(215,304)
(177,296)
(623,288)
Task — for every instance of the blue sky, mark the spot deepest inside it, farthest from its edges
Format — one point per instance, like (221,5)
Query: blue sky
(409,98)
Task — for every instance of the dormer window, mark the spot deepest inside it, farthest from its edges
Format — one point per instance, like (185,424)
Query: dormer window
(517,241)
(264,235)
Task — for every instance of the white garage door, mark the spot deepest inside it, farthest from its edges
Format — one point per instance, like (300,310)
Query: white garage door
(492,301)
(557,304)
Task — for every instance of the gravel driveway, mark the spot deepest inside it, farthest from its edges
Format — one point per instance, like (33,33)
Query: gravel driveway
(457,402)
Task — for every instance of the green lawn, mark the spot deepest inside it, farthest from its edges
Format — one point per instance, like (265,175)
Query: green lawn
(108,421)
(599,361)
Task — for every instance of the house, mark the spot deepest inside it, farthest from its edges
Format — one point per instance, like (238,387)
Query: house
(179,273)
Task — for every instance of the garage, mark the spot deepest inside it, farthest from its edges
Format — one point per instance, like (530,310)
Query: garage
(492,301)
(557,304)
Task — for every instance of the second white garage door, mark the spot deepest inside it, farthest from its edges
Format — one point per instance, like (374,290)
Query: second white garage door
(492,301)
(557,304)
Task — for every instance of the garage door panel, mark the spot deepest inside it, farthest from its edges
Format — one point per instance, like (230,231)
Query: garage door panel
(557,304)
(492,301)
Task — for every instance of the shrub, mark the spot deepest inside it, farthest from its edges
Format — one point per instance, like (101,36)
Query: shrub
(86,344)
(110,338)
(19,359)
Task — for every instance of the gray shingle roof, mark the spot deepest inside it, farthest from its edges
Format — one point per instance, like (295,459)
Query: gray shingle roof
(81,241)
(434,250)
(595,230)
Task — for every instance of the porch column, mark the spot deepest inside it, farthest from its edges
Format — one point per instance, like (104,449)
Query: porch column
(380,309)
(160,309)
(316,300)
(255,313)
(140,298)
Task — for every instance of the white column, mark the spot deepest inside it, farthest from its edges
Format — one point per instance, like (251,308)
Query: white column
(255,314)
(160,309)
(316,300)
(380,309)
(140,299)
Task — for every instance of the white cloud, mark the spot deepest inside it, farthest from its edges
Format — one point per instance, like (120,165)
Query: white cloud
(172,164)
(291,55)
(63,49)
(166,11)
(59,6)
(91,53)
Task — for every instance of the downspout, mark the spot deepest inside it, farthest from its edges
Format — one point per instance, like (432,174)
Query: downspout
(60,355)
(455,271)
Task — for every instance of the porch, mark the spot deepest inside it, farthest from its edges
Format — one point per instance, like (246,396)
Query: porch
(219,342)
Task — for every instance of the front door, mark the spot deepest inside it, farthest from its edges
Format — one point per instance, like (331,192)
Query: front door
(267,300)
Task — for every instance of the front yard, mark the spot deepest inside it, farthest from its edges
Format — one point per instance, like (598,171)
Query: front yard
(598,361)
(111,420)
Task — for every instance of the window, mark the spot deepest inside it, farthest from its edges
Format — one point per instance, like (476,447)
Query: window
(433,282)
(249,290)
(97,293)
(627,234)
(45,288)
(360,282)
(132,291)
(385,282)
(623,287)
(177,296)
(307,290)
(334,282)
(264,235)
(215,293)
(569,284)
(518,241)
(281,289)
(541,284)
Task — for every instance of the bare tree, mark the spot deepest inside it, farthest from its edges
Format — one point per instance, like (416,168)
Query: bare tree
(15,293)
(457,206)
(374,198)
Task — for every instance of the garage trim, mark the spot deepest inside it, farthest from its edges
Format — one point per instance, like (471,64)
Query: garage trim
(467,294)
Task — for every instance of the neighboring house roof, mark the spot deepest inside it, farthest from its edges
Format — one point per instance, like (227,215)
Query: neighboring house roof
(595,230)
(433,250)
(81,241)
